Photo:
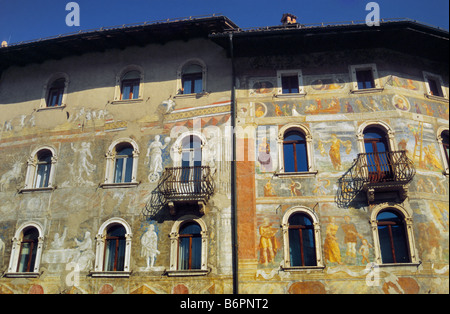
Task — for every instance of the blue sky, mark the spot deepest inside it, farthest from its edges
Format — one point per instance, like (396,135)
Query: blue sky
(22,20)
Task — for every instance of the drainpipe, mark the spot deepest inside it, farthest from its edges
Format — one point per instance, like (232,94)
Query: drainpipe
(234,238)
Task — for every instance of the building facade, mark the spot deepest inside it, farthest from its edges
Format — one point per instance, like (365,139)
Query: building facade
(190,156)
(343,139)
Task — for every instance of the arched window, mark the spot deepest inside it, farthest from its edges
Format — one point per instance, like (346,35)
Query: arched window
(113,251)
(302,249)
(41,169)
(56,92)
(376,145)
(392,228)
(191,159)
(191,78)
(301,236)
(130,84)
(295,151)
(26,251)
(121,163)
(189,246)
(115,248)
(392,237)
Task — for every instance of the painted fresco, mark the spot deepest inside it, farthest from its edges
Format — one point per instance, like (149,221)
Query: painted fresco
(356,104)
(418,139)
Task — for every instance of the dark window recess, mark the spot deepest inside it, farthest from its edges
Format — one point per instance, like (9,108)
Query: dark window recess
(365,79)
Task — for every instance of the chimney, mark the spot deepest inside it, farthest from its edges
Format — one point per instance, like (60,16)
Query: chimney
(4,44)
(288,19)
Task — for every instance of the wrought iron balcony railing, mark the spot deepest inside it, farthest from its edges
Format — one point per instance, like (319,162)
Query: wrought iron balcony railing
(187,185)
(375,171)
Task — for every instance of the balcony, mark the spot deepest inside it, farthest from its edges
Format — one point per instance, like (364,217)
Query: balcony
(376,172)
(186,185)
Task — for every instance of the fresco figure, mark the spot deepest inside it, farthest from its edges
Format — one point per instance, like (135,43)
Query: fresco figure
(268,244)
(335,150)
(149,248)
(351,237)
(364,250)
(85,254)
(154,153)
(269,190)
(331,246)
(264,158)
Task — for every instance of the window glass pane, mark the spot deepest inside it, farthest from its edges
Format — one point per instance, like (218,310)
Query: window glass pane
(187,87)
(196,258)
(289,162)
(110,254)
(302,161)
(135,90)
(400,244)
(24,257)
(119,170)
(128,169)
(385,244)
(435,88)
(294,136)
(183,253)
(365,79)
(294,247)
(126,91)
(289,84)
(190,228)
(115,248)
(198,85)
(300,220)
(132,75)
(120,266)
(28,250)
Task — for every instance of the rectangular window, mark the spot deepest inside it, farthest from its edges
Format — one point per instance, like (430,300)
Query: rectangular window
(365,79)
(55,97)
(435,87)
(192,83)
(289,84)
(130,89)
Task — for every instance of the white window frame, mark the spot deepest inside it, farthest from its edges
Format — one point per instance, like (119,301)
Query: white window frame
(174,239)
(111,162)
(46,89)
(369,66)
(301,88)
(179,83)
(30,176)
(100,249)
(438,80)
(317,239)
(118,87)
(408,220)
(309,151)
(15,251)
(442,149)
